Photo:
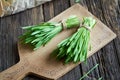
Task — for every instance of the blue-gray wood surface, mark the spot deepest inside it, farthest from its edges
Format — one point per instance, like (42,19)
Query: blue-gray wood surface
(108,58)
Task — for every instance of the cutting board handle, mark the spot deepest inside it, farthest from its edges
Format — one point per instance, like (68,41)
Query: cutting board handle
(16,72)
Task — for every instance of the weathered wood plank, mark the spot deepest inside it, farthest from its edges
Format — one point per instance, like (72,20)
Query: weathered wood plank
(82,2)
(60,5)
(48,11)
(74,74)
(108,11)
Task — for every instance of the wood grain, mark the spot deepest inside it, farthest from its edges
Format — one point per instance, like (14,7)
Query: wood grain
(39,62)
(108,11)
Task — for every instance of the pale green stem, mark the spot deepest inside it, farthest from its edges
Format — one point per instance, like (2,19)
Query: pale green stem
(89,71)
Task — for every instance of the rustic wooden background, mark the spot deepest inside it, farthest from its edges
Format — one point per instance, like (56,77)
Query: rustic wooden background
(108,58)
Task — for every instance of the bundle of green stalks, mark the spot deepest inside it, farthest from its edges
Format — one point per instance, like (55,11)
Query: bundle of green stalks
(41,34)
(75,48)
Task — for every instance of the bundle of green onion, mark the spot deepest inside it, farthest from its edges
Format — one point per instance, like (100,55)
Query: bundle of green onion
(75,47)
(41,34)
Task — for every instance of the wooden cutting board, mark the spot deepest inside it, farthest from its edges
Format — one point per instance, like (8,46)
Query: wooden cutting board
(41,64)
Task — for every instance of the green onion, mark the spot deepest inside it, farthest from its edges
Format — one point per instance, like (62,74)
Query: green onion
(39,35)
(75,48)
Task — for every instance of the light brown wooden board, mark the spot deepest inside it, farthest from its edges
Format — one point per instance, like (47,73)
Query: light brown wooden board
(41,64)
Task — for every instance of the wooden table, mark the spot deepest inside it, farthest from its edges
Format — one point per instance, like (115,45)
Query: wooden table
(108,58)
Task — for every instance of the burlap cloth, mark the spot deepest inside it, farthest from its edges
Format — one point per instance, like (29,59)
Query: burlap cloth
(8,7)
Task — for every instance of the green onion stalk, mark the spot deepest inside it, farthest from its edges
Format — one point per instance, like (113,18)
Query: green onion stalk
(41,34)
(75,48)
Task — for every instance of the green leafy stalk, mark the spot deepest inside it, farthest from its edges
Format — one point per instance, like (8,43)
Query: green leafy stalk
(41,34)
(85,75)
(75,47)
(101,78)
(77,1)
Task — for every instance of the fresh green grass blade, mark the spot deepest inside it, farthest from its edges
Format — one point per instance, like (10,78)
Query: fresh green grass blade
(39,35)
(85,75)
(76,46)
